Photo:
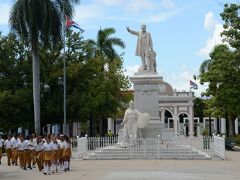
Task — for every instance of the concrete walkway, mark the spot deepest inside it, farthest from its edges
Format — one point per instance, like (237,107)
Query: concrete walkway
(136,170)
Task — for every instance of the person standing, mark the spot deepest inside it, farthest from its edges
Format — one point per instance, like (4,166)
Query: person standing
(27,153)
(14,141)
(56,148)
(67,153)
(39,153)
(47,153)
(8,147)
(20,147)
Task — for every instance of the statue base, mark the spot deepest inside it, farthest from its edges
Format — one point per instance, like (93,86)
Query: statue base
(147,85)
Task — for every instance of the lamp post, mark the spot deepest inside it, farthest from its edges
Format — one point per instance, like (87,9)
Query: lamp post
(62,81)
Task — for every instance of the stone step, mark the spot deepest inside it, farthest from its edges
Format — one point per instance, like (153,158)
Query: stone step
(148,154)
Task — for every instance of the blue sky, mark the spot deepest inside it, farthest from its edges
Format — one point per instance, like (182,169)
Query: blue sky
(183,31)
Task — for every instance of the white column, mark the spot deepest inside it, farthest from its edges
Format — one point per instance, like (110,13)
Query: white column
(215,125)
(110,124)
(223,125)
(48,128)
(198,126)
(190,119)
(162,115)
(236,126)
(175,120)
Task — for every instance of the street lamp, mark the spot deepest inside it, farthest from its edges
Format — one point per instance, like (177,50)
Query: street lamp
(60,81)
(46,87)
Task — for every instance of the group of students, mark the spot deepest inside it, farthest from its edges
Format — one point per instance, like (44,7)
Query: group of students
(50,153)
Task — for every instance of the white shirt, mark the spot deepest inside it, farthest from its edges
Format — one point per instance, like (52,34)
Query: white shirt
(47,147)
(55,146)
(32,143)
(61,144)
(8,144)
(1,143)
(66,145)
(38,147)
(14,143)
(21,145)
(27,144)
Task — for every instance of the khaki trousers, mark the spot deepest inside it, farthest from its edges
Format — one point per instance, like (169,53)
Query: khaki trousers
(21,158)
(9,155)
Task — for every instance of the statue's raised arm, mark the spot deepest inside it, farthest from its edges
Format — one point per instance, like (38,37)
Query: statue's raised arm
(132,32)
(144,45)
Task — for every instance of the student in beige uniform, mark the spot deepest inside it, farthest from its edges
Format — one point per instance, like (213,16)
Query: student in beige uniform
(27,153)
(20,147)
(67,153)
(39,153)
(56,148)
(48,155)
(14,141)
(60,152)
(32,142)
(8,147)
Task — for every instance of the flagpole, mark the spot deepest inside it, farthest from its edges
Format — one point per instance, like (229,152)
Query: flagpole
(64,79)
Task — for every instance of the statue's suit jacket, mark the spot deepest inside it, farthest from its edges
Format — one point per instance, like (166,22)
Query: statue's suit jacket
(139,48)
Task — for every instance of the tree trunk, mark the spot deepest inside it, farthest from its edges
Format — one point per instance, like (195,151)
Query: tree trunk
(36,89)
(210,126)
(230,127)
(233,126)
(90,125)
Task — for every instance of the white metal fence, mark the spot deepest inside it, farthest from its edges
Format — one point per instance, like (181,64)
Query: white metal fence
(219,147)
(177,147)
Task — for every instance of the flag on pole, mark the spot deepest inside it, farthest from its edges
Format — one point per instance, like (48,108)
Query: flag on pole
(193,85)
(71,23)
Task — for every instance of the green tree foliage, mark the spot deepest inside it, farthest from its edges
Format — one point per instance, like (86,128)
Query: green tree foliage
(40,23)
(90,87)
(222,70)
(15,84)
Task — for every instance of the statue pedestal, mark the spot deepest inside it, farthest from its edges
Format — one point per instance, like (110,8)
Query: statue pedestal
(147,86)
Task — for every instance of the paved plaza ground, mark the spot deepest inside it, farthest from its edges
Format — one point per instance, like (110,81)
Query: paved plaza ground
(136,170)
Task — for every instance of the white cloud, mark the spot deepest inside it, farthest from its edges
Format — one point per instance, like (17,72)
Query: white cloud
(169,4)
(160,17)
(111,2)
(137,5)
(215,29)
(88,12)
(130,70)
(181,80)
(209,22)
(4,9)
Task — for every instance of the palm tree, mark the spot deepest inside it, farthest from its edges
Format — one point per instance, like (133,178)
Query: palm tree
(39,23)
(104,44)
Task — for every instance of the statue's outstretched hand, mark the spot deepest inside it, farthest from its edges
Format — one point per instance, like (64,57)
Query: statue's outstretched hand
(128,29)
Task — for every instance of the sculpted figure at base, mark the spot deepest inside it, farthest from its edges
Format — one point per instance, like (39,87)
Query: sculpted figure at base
(144,44)
(133,121)
(151,62)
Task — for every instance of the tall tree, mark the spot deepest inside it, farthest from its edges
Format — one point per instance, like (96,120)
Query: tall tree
(223,78)
(39,23)
(104,44)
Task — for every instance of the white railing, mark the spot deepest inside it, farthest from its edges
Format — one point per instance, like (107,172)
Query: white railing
(179,147)
(219,147)
(82,147)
